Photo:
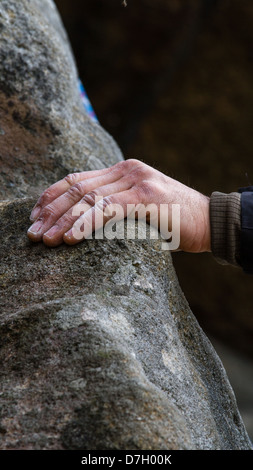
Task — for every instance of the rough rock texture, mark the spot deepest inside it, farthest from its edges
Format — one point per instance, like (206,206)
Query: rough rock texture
(99,349)
(44,132)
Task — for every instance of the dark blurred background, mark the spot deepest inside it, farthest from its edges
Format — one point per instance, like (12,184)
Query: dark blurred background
(172,82)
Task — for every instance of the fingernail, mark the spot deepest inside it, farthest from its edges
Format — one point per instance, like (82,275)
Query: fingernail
(51,232)
(68,234)
(35,213)
(35,228)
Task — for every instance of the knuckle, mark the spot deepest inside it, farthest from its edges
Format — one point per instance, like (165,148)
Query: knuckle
(71,178)
(121,164)
(48,212)
(106,206)
(132,162)
(104,203)
(65,220)
(107,201)
(119,167)
(76,192)
(126,165)
(138,174)
(90,198)
(138,168)
(46,196)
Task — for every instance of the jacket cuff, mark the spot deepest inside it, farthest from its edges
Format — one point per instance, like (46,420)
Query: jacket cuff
(225,220)
(246,238)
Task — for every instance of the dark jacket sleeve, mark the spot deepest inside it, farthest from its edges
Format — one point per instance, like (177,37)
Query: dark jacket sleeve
(246,234)
(225,220)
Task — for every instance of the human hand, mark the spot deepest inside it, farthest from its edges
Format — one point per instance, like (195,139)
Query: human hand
(127,182)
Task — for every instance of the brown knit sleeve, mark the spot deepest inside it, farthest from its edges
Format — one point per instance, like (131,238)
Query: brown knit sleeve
(225,220)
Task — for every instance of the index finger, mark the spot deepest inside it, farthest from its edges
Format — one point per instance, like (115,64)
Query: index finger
(59,188)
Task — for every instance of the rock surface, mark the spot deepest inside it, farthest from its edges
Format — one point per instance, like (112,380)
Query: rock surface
(99,349)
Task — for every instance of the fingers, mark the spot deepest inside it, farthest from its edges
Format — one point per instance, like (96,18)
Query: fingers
(112,207)
(58,208)
(54,236)
(98,177)
(59,216)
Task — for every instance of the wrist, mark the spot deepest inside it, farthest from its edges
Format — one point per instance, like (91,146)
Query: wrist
(195,226)
(206,244)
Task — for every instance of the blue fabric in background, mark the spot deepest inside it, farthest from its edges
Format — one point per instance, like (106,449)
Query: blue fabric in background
(86,102)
